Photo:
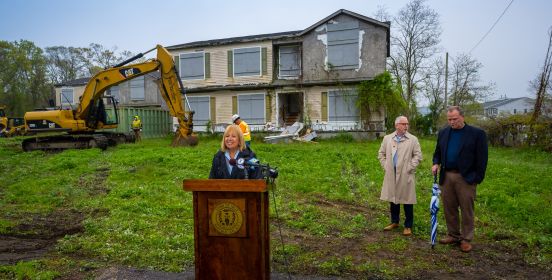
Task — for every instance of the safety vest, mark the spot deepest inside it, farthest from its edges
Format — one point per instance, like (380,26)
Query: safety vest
(245,129)
(136,124)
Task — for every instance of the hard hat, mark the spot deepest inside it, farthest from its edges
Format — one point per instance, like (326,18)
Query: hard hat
(235,117)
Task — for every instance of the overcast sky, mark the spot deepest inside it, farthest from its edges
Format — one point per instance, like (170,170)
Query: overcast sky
(512,53)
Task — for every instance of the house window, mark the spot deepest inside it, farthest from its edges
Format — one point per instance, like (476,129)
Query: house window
(342,106)
(200,104)
(247,62)
(192,66)
(137,89)
(251,108)
(114,91)
(290,61)
(67,96)
(343,48)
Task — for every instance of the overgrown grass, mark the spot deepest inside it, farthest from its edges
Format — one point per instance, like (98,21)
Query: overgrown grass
(325,190)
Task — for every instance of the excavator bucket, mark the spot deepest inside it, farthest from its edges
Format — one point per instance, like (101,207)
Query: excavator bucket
(184,135)
(183,140)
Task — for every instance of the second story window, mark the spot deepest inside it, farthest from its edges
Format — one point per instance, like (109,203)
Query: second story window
(137,89)
(192,66)
(247,62)
(67,96)
(343,47)
(290,61)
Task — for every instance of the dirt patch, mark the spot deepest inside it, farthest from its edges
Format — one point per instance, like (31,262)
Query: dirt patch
(38,235)
(370,253)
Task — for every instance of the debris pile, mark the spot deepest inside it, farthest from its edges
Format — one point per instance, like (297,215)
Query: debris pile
(295,132)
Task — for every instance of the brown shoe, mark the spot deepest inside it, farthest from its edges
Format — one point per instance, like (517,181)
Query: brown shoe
(407,231)
(448,240)
(391,226)
(465,246)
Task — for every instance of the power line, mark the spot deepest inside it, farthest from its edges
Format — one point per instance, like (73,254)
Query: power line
(497,20)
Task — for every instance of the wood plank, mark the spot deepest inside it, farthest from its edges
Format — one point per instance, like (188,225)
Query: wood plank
(224,185)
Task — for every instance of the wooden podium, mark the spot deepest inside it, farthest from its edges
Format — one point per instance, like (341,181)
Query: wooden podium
(230,229)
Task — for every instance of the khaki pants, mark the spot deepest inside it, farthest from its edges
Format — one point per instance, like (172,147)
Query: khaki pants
(456,193)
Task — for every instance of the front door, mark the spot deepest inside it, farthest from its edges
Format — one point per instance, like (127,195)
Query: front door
(291,108)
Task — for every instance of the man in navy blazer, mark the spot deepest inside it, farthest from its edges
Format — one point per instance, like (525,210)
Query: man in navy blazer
(460,157)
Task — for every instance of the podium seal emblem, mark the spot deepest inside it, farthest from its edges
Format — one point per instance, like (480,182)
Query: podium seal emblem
(227,218)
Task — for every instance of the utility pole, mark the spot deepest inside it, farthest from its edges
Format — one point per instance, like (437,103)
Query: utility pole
(446,79)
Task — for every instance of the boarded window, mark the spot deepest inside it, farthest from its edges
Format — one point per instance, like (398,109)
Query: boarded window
(192,66)
(67,96)
(200,104)
(290,61)
(343,48)
(342,106)
(251,108)
(247,62)
(137,89)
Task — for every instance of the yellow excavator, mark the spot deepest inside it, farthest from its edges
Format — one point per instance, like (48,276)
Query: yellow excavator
(10,126)
(84,127)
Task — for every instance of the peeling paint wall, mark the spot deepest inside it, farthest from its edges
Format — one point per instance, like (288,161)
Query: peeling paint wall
(373,53)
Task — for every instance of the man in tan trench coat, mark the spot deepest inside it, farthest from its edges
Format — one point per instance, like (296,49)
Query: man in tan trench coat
(399,155)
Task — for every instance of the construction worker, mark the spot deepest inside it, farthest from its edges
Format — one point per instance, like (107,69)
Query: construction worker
(244,128)
(137,128)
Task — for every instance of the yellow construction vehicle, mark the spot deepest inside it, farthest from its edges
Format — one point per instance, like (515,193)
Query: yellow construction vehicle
(10,126)
(82,125)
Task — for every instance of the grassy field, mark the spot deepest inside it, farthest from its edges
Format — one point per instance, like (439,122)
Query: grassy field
(128,209)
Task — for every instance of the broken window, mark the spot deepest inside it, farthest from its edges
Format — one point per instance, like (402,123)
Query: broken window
(290,61)
(342,106)
(247,62)
(192,66)
(251,108)
(343,47)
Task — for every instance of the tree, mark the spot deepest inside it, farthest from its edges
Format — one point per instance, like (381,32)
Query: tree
(542,84)
(23,82)
(466,85)
(434,90)
(66,63)
(381,93)
(415,38)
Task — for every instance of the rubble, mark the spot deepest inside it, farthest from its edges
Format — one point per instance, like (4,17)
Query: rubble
(294,132)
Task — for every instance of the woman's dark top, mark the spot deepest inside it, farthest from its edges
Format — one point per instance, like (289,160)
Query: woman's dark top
(219,169)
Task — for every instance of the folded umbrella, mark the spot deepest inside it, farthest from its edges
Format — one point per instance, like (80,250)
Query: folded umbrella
(433,209)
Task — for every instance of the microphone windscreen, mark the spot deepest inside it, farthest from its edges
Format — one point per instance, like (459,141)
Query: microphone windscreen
(232,161)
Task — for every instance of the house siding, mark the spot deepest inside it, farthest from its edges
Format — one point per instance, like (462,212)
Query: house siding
(219,66)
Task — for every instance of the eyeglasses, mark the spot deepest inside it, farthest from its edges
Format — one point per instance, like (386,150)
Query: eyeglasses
(404,123)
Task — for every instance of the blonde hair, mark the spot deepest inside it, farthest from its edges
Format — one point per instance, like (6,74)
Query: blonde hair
(233,129)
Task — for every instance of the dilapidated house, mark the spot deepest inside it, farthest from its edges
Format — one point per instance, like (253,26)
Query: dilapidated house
(307,75)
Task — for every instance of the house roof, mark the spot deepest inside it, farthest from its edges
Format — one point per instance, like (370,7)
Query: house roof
(502,102)
(84,81)
(73,83)
(283,35)
(250,38)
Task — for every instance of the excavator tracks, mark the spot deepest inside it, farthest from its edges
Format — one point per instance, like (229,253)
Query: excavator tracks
(75,141)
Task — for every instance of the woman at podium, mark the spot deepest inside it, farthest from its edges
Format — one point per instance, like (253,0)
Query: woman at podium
(232,160)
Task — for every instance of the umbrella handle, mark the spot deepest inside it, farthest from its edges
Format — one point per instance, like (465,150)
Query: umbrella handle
(435,179)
